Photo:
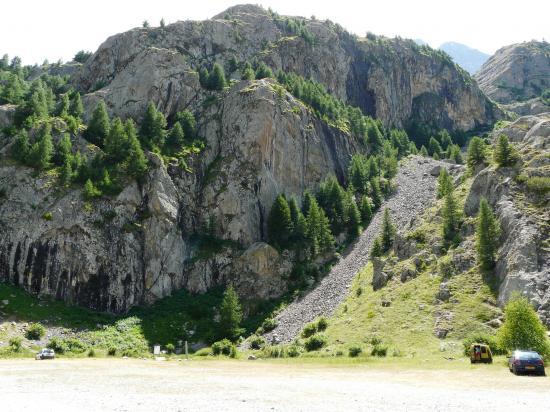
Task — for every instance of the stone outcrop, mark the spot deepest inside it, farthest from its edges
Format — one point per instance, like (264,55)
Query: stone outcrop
(517,73)
(523,261)
(391,79)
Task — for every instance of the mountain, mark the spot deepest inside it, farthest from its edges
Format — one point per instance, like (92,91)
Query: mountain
(114,217)
(468,58)
(516,73)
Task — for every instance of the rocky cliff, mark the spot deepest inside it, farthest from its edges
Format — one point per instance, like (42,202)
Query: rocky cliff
(392,79)
(517,73)
(113,253)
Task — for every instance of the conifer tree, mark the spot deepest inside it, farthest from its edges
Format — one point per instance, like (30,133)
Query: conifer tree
(263,71)
(413,149)
(435,148)
(504,153)
(451,218)
(487,233)
(424,151)
(64,149)
(388,231)
(90,191)
(319,235)
(66,172)
(476,153)
(152,130)
(175,139)
(248,72)
(375,193)
(115,143)
(188,123)
(13,90)
(374,136)
(99,125)
(306,203)
(231,315)
(444,183)
(279,222)
(64,106)
(366,210)
(203,77)
(76,108)
(444,139)
(354,218)
(216,79)
(294,210)
(376,250)
(21,148)
(455,155)
(43,148)
(136,163)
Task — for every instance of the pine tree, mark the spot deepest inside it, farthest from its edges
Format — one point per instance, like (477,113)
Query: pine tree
(38,103)
(188,124)
(294,210)
(476,153)
(451,219)
(145,24)
(376,193)
(358,172)
(76,108)
(64,149)
(66,172)
(231,315)
(152,130)
(504,153)
(136,163)
(203,77)
(64,106)
(263,71)
(376,250)
(354,219)
(247,72)
(413,149)
(435,148)
(43,149)
(366,210)
(444,183)
(306,203)
(21,148)
(388,231)
(424,151)
(216,79)
(374,136)
(99,125)
(175,139)
(444,139)
(13,90)
(115,143)
(319,235)
(90,191)
(455,155)
(487,234)
(279,223)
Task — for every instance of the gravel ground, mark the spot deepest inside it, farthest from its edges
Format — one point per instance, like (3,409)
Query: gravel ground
(415,192)
(137,385)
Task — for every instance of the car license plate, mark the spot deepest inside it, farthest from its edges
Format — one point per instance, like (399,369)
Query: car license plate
(529,367)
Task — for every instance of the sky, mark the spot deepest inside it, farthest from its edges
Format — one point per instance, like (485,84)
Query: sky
(56,29)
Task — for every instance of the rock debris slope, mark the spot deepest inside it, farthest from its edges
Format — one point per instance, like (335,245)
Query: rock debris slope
(415,192)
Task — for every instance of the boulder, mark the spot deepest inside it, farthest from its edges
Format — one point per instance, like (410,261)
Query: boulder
(379,278)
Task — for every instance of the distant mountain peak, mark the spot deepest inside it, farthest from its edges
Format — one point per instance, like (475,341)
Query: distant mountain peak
(465,56)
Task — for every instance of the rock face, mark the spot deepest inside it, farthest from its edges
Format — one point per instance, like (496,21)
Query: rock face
(516,73)
(111,254)
(391,79)
(523,262)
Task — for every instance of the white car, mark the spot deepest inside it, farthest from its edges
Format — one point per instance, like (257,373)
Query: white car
(45,353)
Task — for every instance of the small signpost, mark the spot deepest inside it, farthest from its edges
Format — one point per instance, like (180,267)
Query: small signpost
(156,350)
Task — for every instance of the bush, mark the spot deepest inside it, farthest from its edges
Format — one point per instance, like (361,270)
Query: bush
(47,216)
(269,324)
(222,347)
(379,350)
(322,324)
(15,344)
(256,342)
(35,331)
(170,348)
(203,352)
(111,351)
(485,339)
(355,351)
(309,330)
(538,185)
(67,345)
(91,353)
(315,342)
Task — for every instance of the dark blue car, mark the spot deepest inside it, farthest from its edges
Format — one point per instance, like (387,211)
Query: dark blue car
(525,361)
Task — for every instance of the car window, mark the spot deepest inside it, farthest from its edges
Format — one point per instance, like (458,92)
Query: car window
(529,356)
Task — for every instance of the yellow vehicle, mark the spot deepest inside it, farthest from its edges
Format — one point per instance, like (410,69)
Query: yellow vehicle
(480,353)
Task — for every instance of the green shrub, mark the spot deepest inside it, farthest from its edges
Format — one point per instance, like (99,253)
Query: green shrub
(111,351)
(482,338)
(355,351)
(67,345)
(91,353)
(379,350)
(315,342)
(539,185)
(170,348)
(293,351)
(58,345)
(35,331)
(309,330)
(15,344)
(222,347)
(203,352)
(256,342)
(47,216)
(269,324)
(322,324)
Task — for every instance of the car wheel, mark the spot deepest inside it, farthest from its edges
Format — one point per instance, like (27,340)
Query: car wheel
(514,370)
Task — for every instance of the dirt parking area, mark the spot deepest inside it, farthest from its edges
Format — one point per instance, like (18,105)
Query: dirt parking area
(148,385)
